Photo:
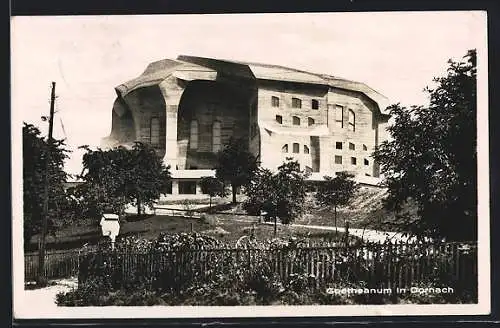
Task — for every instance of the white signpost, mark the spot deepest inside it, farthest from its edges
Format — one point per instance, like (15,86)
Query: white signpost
(110,224)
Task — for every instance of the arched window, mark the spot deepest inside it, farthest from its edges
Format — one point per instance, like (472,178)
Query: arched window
(306,149)
(296,148)
(154,130)
(296,103)
(193,136)
(216,138)
(364,147)
(284,149)
(352,120)
(310,121)
(296,120)
(275,101)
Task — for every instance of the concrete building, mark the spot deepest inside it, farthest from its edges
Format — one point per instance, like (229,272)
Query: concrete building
(189,108)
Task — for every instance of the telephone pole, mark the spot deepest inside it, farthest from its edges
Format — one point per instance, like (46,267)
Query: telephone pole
(41,246)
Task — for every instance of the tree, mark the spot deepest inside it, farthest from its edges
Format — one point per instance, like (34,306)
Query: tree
(432,160)
(213,187)
(279,195)
(35,150)
(236,165)
(336,192)
(120,175)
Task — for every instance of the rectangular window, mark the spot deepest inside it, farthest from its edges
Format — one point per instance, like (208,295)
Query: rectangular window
(155,131)
(339,116)
(275,101)
(353,160)
(216,137)
(338,145)
(296,147)
(187,187)
(315,104)
(279,119)
(296,103)
(351,146)
(193,138)
(338,159)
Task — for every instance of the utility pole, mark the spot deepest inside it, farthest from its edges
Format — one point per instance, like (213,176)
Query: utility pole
(41,246)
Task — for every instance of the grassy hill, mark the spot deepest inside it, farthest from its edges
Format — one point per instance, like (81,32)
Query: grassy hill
(230,221)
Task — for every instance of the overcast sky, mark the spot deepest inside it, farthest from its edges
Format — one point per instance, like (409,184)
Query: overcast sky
(397,54)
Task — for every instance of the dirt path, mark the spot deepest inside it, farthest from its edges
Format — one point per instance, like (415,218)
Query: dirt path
(45,298)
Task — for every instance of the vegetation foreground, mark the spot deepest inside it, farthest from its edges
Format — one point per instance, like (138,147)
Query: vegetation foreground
(195,269)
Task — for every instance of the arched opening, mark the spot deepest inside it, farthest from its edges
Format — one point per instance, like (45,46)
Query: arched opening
(140,116)
(221,110)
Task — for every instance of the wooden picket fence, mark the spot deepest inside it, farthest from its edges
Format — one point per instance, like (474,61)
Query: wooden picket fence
(58,264)
(380,265)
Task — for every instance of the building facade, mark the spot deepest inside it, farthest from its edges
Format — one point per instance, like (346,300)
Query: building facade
(189,108)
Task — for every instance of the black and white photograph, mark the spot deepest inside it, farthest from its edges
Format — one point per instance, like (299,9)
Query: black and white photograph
(250,165)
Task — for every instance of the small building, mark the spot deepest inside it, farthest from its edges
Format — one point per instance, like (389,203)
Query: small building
(189,108)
